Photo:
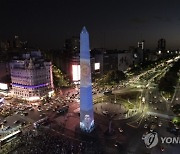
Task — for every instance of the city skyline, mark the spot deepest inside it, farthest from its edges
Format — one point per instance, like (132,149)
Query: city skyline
(112,25)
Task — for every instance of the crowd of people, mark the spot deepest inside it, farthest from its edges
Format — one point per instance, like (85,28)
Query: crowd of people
(47,142)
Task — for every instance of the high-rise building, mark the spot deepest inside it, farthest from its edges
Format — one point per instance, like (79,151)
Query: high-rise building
(31,76)
(72,45)
(86,101)
(162,44)
(141,44)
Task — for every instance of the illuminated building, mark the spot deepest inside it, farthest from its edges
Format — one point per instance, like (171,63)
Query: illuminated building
(72,45)
(4,77)
(141,44)
(86,104)
(31,76)
(106,60)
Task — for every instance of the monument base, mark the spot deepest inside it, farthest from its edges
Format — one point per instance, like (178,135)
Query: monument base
(87,136)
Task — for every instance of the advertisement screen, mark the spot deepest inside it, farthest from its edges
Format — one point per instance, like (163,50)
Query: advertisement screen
(3,86)
(76,72)
(97,66)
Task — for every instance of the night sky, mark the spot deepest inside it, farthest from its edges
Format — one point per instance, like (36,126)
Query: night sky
(111,23)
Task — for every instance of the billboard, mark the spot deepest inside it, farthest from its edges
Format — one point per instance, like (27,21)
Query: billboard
(76,72)
(3,86)
(97,66)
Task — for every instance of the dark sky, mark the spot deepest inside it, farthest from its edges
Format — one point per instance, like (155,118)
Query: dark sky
(111,23)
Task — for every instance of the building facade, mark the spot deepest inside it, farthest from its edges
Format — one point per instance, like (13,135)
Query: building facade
(162,44)
(4,77)
(31,76)
(125,60)
(141,44)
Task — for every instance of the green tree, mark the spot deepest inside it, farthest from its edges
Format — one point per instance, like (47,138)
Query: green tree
(113,76)
(176,109)
(59,78)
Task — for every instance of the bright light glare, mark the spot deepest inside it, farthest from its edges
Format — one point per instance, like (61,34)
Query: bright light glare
(76,72)
(3,86)
(97,66)
(50,93)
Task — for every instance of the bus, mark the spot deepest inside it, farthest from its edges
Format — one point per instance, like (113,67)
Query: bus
(107,92)
(41,122)
(9,137)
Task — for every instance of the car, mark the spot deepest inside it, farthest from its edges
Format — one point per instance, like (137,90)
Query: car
(25,113)
(5,121)
(39,110)
(105,112)
(31,109)
(119,145)
(66,106)
(17,121)
(146,126)
(120,130)
(40,115)
(160,124)
(152,128)
(162,148)
(23,123)
(107,92)
(6,128)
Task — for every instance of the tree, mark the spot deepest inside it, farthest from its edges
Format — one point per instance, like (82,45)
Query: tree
(176,109)
(59,78)
(114,76)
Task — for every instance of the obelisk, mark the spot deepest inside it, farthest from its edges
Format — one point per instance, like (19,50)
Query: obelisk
(86,101)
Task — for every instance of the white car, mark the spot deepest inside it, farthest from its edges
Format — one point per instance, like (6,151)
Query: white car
(105,112)
(160,124)
(120,130)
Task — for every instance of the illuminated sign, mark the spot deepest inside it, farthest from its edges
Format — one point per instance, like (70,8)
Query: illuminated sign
(97,66)
(3,86)
(24,86)
(76,72)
